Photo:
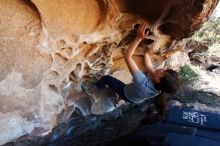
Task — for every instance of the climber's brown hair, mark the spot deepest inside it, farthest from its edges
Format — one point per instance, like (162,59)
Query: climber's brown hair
(169,83)
(161,104)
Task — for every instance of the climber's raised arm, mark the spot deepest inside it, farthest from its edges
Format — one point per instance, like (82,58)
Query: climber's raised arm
(148,64)
(130,51)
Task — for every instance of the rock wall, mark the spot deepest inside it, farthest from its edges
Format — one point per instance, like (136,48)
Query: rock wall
(47,48)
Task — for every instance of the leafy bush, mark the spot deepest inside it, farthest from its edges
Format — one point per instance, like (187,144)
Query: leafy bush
(209,35)
(186,73)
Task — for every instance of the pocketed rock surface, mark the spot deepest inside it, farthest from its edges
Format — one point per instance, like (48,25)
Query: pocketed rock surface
(48,48)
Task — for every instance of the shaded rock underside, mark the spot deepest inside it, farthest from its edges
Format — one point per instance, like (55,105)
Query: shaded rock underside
(47,48)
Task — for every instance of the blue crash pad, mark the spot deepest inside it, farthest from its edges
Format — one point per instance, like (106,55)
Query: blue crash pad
(160,130)
(194,118)
(185,140)
(211,134)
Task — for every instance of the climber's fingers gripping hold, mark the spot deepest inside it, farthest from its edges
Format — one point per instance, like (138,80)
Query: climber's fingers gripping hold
(142,31)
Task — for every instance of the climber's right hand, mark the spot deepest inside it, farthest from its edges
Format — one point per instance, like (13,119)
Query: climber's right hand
(142,31)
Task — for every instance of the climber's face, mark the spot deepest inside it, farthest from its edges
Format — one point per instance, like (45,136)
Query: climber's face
(159,73)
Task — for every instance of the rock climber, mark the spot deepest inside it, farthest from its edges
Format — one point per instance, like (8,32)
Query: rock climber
(153,84)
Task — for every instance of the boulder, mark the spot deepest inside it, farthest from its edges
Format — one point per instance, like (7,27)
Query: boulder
(45,45)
